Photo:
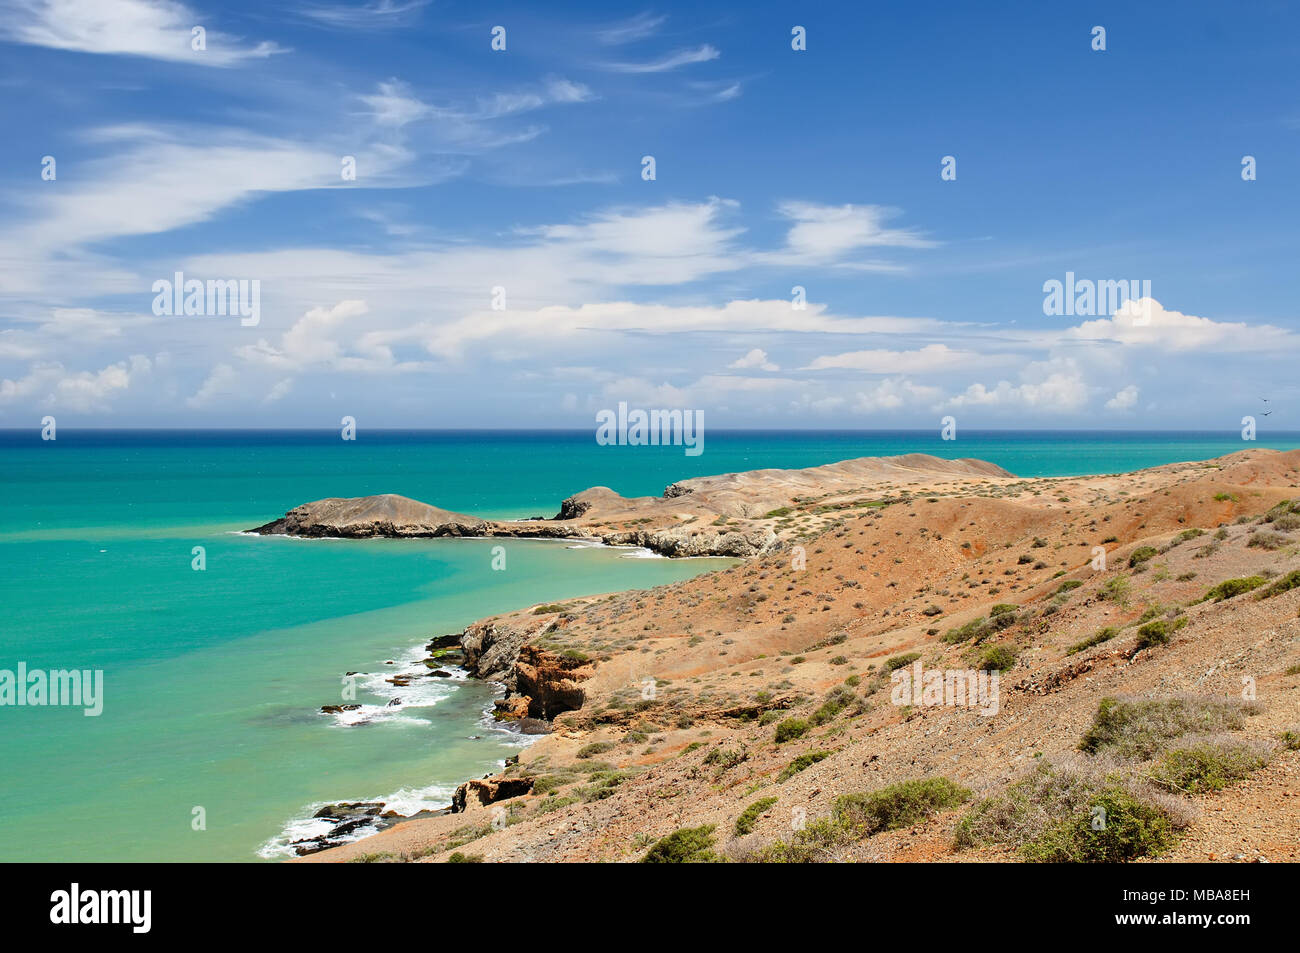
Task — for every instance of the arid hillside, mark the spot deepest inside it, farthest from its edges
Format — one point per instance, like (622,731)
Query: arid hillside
(1142,628)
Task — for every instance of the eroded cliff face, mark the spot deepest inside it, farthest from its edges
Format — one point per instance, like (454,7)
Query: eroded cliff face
(539,683)
(551,682)
(491,647)
(482,792)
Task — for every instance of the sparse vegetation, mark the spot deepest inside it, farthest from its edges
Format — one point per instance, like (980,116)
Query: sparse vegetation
(898,661)
(1071,814)
(687,845)
(855,817)
(750,815)
(1209,765)
(997,658)
(1139,728)
(1269,541)
(1159,631)
(897,805)
(790,729)
(802,762)
(1288,582)
(1104,635)
(1233,587)
(1141,555)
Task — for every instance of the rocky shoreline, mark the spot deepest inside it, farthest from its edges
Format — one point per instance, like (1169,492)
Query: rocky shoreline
(733,514)
(537,685)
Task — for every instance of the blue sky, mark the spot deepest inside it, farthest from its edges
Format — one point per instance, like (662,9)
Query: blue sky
(522,169)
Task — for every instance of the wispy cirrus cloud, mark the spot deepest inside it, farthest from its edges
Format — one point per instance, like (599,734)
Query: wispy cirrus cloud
(375,15)
(156,29)
(639,27)
(673,61)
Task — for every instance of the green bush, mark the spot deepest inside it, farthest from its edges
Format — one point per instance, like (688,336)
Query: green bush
(1288,582)
(1141,555)
(1069,814)
(790,729)
(593,749)
(897,805)
(1159,631)
(687,845)
(816,843)
(1233,587)
(1209,765)
(981,628)
(898,661)
(801,762)
(1116,590)
(1068,585)
(725,758)
(836,701)
(997,658)
(855,816)
(750,815)
(1002,608)
(1104,635)
(1140,728)
(1118,827)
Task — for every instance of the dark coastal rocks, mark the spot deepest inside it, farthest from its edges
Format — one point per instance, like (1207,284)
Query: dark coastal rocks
(348,819)
(366,517)
(482,792)
(346,809)
(572,508)
(336,709)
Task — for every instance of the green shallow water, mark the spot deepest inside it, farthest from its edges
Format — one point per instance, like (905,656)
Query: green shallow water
(213,681)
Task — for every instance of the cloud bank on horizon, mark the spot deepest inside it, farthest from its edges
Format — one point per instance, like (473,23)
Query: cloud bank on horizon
(517,221)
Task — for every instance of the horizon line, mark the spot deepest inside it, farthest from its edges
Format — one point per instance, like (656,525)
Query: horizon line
(579,430)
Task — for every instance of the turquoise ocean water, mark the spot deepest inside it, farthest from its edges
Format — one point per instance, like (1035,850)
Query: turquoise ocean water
(213,679)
